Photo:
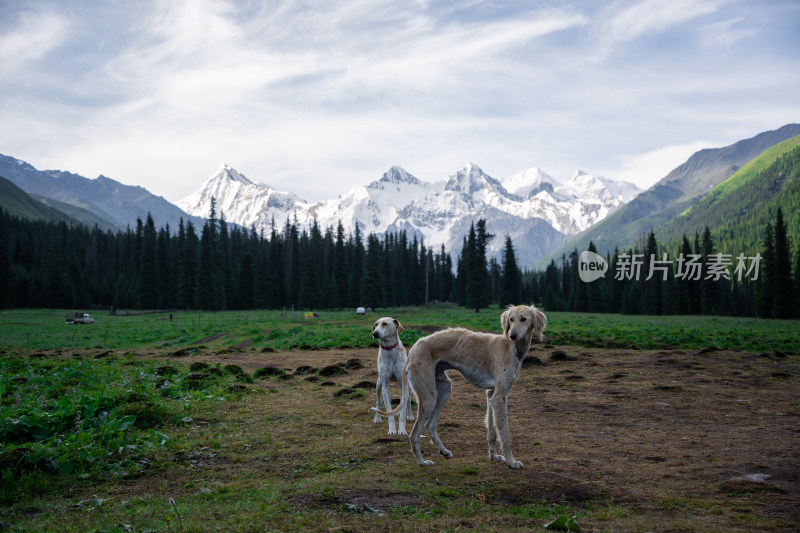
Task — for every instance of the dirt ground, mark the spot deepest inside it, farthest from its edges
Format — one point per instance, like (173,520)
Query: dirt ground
(698,433)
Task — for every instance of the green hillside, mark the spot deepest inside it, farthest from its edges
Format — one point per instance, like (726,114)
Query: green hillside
(34,207)
(20,204)
(80,214)
(749,172)
(738,209)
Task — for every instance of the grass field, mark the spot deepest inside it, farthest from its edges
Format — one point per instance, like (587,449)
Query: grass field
(269,330)
(252,421)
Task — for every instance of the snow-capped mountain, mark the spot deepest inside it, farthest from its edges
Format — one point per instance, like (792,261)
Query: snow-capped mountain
(240,200)
(536,210)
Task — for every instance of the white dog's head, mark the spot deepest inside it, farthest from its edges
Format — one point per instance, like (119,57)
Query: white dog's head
(386,328)
(519,320)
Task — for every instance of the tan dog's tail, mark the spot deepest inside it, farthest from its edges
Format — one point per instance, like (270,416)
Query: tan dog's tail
(403,397)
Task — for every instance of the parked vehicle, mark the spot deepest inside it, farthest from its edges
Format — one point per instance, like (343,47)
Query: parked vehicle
(79,318)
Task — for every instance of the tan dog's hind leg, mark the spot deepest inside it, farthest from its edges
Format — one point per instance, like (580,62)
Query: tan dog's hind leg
(424,387)
(443,388)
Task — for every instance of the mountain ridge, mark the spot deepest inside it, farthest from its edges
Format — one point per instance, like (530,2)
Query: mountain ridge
(433,211)
(673,194)
(109,199)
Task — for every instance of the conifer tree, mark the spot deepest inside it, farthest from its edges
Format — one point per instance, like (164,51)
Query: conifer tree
(272,273)
(224,264)
(551,288)
(710,294)
(765,289)
(684,287)
(6,279)
(246,281)
(478,282)
(652,286)
(340,266)
(188,264)
(796,283)
(373,288)
(357,258)
(511,280)
(782,271)
(148,267)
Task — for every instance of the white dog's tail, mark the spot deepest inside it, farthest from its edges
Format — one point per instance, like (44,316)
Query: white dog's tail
(403,397)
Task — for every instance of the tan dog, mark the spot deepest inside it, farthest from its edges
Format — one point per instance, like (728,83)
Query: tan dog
(486,360)
(391,359)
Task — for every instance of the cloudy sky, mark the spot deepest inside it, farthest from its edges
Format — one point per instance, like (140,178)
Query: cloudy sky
(315,97)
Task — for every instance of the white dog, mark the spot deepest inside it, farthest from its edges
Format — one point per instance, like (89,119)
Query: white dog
(391,359)
(488,361)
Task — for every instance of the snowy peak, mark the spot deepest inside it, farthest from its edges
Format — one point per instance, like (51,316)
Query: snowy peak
(238,198)
(530,182)
(471,179)
(395,176)
(588,186)
(226,172)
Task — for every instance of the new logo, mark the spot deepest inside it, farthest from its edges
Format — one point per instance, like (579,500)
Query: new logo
(591,266)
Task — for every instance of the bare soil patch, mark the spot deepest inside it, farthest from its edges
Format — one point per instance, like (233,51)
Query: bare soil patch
(673,437)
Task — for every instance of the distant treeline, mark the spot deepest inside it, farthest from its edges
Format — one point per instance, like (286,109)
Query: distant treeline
(218,266)
(55,265)
(689,277)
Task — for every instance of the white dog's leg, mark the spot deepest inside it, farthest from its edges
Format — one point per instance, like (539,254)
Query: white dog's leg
(405,412)
(387,404)
(378,387)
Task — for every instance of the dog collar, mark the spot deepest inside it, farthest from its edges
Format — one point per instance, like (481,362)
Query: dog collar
(392,347)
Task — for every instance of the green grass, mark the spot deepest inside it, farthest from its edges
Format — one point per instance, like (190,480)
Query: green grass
(268,330)
(90,418)
(107,432)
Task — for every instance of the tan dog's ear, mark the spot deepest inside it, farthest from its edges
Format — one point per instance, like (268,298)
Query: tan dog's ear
(398,325)
(539,321)
(505,321)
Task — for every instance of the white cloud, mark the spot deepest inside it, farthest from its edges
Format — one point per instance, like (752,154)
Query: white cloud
(724,33)
(654,16)
(317,97)
(34,36)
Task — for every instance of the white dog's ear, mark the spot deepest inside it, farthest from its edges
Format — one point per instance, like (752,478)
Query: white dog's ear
(539,321)
(505,321)
(398,325)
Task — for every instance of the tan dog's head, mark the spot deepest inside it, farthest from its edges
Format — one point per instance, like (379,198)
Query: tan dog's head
(518,320)
(387,328)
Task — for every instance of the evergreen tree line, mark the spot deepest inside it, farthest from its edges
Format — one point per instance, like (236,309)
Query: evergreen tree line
(684,277)
(49,264)
(218,266)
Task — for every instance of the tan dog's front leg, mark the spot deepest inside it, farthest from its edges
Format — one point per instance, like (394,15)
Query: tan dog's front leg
(491,437)
(500,413)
